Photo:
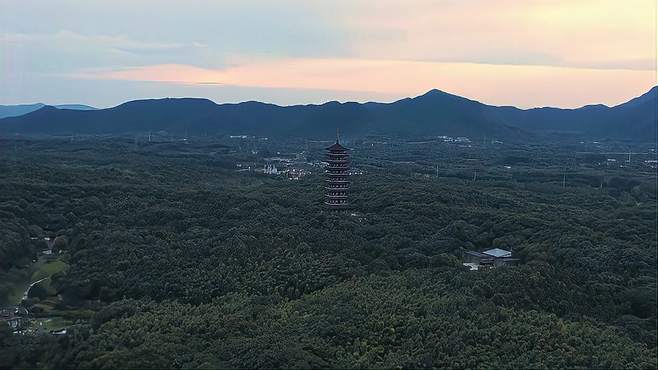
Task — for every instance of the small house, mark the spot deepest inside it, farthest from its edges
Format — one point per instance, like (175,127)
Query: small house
(495,257)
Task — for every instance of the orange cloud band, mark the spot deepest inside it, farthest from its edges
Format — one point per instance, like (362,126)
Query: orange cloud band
(524,86)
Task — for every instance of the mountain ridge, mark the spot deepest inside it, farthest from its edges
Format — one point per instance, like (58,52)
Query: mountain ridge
(433,113)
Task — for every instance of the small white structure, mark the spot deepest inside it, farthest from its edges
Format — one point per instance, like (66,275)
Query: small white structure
(270,169)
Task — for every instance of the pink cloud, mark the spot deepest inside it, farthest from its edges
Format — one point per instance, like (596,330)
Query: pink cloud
(520,85)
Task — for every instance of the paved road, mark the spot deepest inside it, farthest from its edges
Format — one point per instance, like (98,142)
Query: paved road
(30,287)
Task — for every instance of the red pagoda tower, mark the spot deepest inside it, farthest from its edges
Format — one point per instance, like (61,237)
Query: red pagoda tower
(337,176)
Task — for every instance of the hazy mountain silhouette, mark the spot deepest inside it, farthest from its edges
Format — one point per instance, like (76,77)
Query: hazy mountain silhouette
(433,113)
(21,109)
(75,107)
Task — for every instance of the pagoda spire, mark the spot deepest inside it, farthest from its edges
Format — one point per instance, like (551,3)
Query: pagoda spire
(337,135)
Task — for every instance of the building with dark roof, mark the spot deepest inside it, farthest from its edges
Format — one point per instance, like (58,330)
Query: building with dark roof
(490,258)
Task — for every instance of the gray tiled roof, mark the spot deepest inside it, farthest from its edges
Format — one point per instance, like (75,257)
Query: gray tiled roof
(497,252)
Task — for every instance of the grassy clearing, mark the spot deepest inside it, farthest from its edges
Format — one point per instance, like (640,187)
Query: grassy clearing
(49,268)
(38,270)
(50,323)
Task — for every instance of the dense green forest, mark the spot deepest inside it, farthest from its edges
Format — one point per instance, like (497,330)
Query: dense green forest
(179,258)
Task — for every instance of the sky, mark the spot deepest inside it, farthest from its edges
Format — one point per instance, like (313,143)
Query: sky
(526,53)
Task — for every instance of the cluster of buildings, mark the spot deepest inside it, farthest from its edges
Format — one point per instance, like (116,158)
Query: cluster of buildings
(270,169)
(458,139)
(651,163)
(292,173)
(296,173)
(16,317)
(289,171)
(18,320)
(243,137)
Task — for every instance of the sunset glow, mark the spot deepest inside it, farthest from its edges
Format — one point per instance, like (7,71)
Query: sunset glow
(507,52)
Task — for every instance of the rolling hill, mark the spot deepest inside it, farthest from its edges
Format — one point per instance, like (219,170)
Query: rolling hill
(433,113)
(635,119)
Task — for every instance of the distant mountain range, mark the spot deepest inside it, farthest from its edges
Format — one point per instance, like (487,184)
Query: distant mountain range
(19,110)
(433,113)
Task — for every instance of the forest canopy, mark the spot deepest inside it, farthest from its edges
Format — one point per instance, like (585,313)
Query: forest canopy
(178,259)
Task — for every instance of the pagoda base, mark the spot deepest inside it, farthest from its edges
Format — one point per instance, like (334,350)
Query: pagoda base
(337,206)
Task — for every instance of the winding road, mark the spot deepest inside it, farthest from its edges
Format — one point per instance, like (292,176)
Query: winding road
(30,287)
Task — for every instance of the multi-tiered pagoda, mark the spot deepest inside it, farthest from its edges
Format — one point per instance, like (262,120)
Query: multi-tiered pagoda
(337,176)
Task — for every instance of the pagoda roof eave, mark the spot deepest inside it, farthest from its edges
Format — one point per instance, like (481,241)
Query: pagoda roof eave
(337,146)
